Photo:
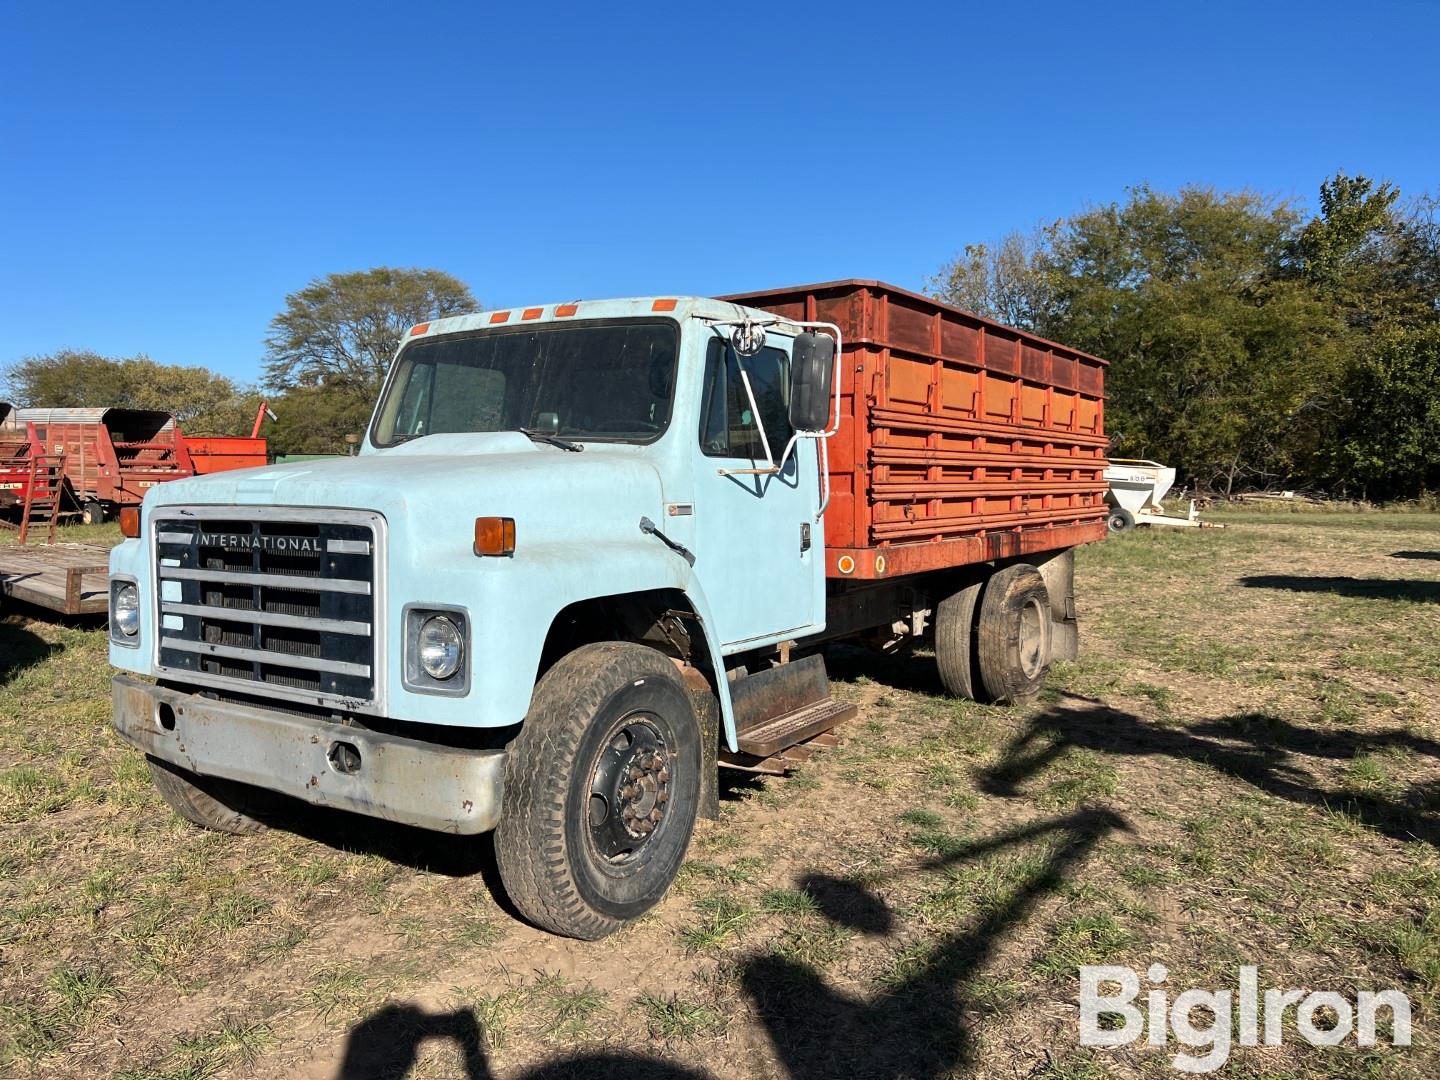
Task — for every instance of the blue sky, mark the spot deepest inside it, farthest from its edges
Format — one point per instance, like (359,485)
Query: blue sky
(169,173)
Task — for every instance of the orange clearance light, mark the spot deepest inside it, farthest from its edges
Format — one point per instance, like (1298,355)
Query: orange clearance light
(499,317)
(566,309)
(532,313)
(494,536)
(419,328)
(130,521)
(663,305)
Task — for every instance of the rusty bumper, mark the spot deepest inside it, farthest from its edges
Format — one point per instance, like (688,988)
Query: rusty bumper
(384,776)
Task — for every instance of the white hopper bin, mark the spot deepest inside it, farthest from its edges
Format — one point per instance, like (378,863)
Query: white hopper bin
(1136,488)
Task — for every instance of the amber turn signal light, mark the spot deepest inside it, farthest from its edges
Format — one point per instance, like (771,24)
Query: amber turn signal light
(130,521)
(494,536)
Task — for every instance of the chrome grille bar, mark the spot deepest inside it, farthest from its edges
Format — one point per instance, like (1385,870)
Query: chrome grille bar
(275,581)
(262,656)
(266,618)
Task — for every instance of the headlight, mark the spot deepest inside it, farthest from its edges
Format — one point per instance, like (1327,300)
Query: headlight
(125,609)
(441,647)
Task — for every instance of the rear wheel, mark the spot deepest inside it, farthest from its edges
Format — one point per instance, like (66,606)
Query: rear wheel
(955,643)
(602,787)
(1013,634)
(222,805)
(1120,520)
(92,513)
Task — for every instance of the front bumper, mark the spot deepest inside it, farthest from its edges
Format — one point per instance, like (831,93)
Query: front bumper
(397,779)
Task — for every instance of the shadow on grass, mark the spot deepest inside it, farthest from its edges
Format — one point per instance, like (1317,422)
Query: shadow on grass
(1363,588)
(917,1027)
(386,1046)
(903,670)
(1257,748)
(21,648)
(1433,556)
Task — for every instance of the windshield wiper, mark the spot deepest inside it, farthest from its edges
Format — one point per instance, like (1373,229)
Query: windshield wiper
(553,440)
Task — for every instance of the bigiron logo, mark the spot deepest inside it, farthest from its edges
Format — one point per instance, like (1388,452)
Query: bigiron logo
(300,545)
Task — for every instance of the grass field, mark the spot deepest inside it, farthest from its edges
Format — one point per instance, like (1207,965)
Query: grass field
(1244,767)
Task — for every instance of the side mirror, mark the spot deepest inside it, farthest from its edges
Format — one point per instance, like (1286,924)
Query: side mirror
(812,374)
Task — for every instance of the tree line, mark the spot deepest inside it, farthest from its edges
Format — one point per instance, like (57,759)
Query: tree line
(326,354)
(1251,343)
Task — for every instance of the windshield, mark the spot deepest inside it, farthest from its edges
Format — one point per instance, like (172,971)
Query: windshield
(610,382)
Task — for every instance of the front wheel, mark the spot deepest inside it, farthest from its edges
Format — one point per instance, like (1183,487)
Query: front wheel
(92,512)
(602,787)
(208,801)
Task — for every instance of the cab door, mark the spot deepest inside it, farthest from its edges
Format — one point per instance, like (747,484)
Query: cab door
(758,545)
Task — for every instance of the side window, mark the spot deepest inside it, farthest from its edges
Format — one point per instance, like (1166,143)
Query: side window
(727,426)
(414,413)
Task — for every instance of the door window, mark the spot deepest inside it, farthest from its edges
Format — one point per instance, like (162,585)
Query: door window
(727,424)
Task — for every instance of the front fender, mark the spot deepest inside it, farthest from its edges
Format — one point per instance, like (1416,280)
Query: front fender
(513,602)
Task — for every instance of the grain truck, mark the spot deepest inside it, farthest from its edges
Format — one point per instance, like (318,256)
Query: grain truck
(592,552)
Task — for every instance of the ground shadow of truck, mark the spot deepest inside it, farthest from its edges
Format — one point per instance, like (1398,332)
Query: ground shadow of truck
(918,1027)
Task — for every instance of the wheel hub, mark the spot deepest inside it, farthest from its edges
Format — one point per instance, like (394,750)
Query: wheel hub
(629,789)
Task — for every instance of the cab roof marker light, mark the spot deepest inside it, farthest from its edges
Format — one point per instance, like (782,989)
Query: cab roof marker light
(532,313)
(419,328)
(663,305)
(563,310)
(499,317)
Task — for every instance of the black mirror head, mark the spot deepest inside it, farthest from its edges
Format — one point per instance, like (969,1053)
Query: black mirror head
(812,374)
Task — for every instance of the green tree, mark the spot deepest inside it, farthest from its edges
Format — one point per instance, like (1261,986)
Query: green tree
(343,329)
(205,403)
(1006,282)
(1367,257)
(1221,361)
(316,419)
(1389,444)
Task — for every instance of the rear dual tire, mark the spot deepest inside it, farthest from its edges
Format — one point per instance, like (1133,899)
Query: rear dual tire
(992,637)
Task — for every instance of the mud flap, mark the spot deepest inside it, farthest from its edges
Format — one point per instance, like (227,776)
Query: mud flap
(1058,570)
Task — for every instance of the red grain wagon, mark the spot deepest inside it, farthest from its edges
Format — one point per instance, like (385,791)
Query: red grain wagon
(218,453)
(14,458)
(112,456)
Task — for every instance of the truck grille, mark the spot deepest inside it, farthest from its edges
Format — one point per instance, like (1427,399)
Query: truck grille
(286,602)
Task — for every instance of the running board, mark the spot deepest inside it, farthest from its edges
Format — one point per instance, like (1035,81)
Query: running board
(767,739)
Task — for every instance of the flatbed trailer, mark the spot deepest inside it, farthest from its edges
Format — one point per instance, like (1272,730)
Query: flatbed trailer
(71,579)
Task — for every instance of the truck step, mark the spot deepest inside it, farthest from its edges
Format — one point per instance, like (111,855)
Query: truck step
(779,691)
(767,739)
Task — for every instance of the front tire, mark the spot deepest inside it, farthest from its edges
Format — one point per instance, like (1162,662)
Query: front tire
(208,801)
(92,512)
(1120,520)
(602,787)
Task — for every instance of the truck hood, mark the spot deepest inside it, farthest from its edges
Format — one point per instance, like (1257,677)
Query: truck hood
(440,480)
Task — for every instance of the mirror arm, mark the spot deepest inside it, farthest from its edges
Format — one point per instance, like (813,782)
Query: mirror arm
(755,412)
